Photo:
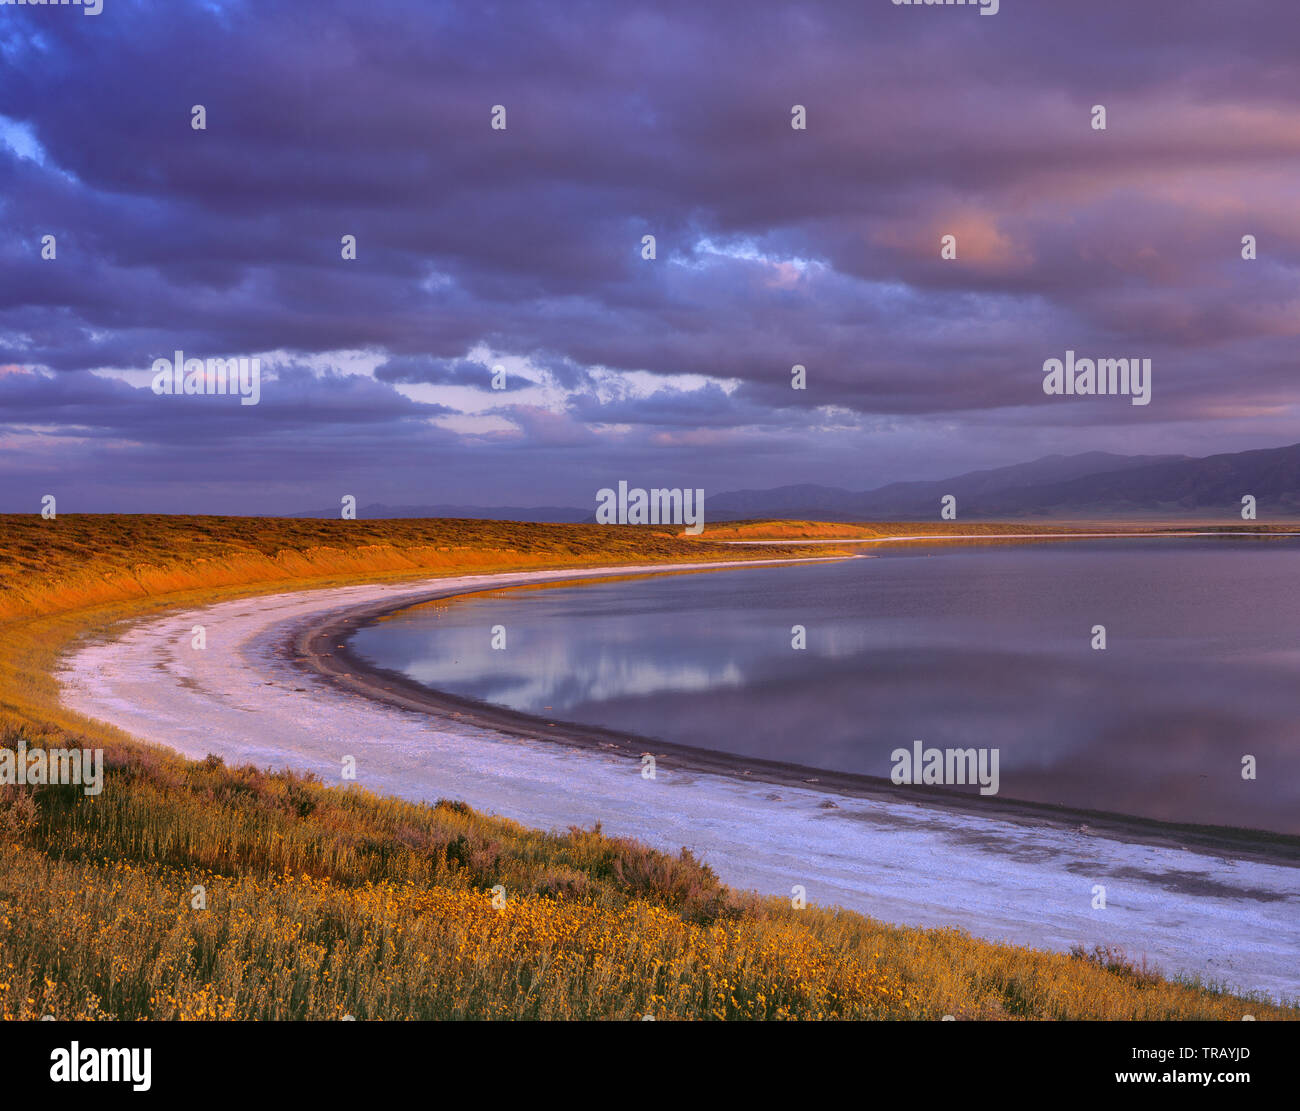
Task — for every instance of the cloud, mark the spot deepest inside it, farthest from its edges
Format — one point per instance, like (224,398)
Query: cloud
(523,246)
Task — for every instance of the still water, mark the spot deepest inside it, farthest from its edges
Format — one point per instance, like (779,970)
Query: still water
(958,647)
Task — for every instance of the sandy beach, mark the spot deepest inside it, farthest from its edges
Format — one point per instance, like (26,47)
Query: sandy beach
(274,688)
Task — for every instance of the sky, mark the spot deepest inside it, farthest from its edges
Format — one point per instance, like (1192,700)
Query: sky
(522,248)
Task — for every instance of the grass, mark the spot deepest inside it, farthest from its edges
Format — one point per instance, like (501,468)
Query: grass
(190,889)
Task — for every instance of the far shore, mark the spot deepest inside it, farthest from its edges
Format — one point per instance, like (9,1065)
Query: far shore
(1012,537)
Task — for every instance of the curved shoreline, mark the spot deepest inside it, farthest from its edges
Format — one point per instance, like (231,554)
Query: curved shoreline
(318,647)
(1226,913)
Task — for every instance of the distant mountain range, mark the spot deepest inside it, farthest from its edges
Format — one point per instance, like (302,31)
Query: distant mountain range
(376,511)
(1094,484)
(1009,489)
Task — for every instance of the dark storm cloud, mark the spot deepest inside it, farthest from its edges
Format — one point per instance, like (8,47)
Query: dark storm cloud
(293,399)
(775,246)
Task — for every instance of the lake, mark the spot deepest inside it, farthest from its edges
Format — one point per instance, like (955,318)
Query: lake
(970,646)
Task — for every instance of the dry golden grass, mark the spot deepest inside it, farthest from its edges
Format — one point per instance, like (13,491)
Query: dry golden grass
(76,562)
(324,901)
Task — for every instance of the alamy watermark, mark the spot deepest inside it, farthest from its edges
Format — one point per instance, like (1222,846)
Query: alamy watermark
(194,377)
(946,766)
(79,766)
(987,7)
(637,506)
(101,1066)
(1105,377)
(88,7)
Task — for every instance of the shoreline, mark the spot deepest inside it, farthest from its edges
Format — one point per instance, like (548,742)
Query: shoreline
(320,646)
(1027,536)
(1221,910)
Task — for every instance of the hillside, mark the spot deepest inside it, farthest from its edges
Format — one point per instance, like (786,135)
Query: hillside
(1090,486)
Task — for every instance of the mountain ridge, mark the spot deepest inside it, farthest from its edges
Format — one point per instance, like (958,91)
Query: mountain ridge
(1088,484)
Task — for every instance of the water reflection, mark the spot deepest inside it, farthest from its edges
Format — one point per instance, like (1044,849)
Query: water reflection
(976,647)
